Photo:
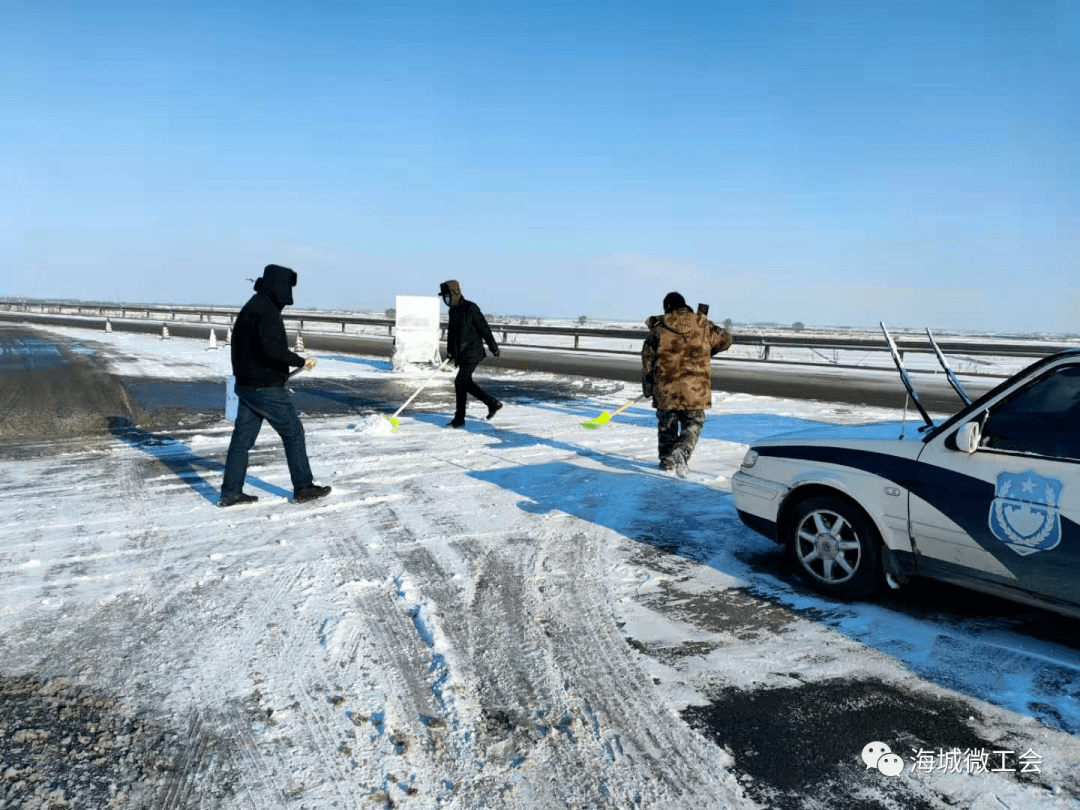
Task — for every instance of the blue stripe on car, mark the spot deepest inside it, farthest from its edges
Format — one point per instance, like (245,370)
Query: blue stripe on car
(1055,571)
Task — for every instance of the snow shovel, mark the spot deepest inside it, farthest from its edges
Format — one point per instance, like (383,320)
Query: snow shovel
(605,417)
(393,419)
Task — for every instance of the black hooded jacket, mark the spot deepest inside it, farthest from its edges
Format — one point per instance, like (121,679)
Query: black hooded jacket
(261,357)
(468,330)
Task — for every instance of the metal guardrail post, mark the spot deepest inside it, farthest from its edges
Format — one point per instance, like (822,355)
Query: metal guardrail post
(577,341)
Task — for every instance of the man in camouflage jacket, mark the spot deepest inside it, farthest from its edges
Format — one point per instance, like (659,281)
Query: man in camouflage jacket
(676,374)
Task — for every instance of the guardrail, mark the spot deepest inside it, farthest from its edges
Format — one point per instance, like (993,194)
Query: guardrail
(765,343)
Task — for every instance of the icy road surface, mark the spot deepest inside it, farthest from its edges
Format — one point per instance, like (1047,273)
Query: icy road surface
(522,614)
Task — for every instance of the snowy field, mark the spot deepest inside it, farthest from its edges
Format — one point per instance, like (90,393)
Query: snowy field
(523,614)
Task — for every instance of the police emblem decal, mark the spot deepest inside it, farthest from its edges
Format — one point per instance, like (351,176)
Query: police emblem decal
(1024,513)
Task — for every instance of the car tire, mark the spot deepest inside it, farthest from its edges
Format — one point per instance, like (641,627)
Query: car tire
(835,547)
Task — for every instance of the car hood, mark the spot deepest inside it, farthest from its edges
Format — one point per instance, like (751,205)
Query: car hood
(874,432)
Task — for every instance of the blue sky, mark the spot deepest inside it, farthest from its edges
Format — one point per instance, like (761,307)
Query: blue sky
(833,162)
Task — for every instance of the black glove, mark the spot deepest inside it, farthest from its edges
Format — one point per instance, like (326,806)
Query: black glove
(452,359)
(647,385)
(495,352)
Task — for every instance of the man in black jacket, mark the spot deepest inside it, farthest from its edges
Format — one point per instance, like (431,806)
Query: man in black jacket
(466,335)
(261,359)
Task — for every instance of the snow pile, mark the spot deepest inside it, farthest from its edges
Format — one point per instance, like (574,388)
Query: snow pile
(374,425)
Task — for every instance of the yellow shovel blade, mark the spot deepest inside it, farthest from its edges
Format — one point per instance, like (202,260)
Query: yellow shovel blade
(602,419)
(393,422)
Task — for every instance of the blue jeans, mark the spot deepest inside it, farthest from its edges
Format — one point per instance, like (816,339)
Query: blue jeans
(275,406)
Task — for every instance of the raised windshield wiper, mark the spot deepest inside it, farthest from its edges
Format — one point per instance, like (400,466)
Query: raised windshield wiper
(907,380)
(955,383)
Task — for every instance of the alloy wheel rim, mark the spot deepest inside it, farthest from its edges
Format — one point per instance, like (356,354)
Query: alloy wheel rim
(828,547)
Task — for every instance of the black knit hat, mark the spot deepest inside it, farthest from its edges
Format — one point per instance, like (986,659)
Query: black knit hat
(673,301)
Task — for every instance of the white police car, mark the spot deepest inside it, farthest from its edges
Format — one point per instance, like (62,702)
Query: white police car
(989,499)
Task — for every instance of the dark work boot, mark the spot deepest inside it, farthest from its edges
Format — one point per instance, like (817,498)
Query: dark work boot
(233,500)
(310,493)
(456,423)
(494,409)
(679,457)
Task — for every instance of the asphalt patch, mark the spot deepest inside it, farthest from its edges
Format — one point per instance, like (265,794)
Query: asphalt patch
(63,744)
(55,394)
(800,747)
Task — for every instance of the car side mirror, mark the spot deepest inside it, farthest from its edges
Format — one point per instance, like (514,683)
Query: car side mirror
(967,438)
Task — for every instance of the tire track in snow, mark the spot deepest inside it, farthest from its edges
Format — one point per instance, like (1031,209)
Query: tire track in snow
(285,636)
(218,728)
(512,607)
(510,651)
(411,711)
(180,616)
(606,689)
(583,646)
(496,770)
(492,734)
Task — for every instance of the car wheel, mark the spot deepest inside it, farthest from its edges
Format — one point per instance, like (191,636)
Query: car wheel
(835,547)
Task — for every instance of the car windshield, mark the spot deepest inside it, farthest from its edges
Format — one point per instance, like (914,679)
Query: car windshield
(1040,419)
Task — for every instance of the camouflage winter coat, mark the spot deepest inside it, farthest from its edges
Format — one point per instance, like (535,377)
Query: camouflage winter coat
(675,359)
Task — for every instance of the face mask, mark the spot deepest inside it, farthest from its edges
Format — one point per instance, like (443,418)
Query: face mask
(446,299)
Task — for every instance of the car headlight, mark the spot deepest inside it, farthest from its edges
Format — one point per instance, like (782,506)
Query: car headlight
(750,459)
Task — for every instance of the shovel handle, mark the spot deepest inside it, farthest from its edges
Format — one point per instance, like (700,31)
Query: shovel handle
(622,408)
(421,388)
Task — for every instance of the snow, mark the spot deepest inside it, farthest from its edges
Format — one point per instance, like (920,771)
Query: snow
(374,425)
(471,618)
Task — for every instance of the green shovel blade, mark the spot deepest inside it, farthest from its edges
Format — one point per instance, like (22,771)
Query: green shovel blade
(602,419)
(393,422)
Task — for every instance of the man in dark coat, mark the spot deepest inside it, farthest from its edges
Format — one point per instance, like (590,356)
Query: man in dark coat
(261,360)
(466,335)
(676,373)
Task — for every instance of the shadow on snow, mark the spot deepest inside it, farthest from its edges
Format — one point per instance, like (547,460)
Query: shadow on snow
(180,461)
(971,655)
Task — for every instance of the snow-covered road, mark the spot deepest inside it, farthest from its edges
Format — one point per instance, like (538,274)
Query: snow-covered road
(523,614)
